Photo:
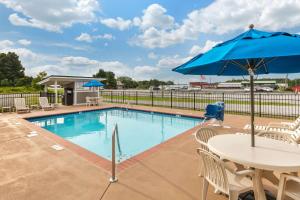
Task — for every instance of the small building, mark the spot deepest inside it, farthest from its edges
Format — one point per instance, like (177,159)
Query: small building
(202,85)
(74,92)
(271,84)
(230,85)
(174,87)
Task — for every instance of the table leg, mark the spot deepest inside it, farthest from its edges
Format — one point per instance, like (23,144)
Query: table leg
(258,186)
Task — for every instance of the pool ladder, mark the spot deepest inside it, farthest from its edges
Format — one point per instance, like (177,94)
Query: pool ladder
(115,138)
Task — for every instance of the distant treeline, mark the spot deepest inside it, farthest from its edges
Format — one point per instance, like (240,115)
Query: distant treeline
(12,74)
(291,82)
(127,82)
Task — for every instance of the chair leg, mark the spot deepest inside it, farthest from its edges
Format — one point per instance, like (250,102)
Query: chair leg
(233,195)
(204,189)
(281,188)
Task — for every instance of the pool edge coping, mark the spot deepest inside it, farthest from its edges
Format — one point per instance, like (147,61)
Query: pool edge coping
(98,160)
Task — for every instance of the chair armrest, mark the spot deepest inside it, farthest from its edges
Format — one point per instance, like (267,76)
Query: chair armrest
(273,125)
(289,177)
(246,172)
(287,123)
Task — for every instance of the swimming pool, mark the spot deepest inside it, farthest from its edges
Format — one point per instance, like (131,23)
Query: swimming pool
(138,130)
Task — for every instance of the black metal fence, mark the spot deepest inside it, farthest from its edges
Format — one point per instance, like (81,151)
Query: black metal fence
(7,100)
(283,105)
(280,105)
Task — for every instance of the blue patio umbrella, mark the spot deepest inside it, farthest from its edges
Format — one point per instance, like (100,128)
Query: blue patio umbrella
(94,84)
(252,52)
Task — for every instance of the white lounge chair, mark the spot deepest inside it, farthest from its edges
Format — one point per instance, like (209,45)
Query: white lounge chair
(278,136)
(44,103)
(289,185)
(20,105)
(276,126)
(225,181)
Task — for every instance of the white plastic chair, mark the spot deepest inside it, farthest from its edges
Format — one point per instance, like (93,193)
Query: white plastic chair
(223,180)
(289,185)
(88,101)
(20,105)
(203,135)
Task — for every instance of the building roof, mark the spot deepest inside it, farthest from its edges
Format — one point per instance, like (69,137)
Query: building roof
(261,82)
(61,79)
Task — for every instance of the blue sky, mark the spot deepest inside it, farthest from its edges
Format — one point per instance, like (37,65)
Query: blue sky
(141,39)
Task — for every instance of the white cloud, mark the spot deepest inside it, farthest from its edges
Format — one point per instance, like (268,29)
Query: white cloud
(152,56)
(195,50)
(89,38)
(30,60)
(155,16)
(70,46)
(105,36)
(88,66)
(4,44)
(172,61)
(232,15)
(145,72)
(51,15)
(24,42)
(84,37)
(118,23)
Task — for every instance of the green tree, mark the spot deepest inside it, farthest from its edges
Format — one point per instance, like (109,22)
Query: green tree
(5,82)
(127,82)
(40,76)
(100,74)
(110,80)
(143,84)
(11,68)
(25,81)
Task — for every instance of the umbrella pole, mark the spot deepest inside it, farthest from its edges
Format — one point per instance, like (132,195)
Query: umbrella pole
(252,108)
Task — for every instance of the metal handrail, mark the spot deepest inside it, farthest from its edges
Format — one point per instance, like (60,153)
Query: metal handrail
(115,135)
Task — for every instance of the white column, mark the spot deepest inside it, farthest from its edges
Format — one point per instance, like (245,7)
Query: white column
(45,88)
(56,95)
(75,96)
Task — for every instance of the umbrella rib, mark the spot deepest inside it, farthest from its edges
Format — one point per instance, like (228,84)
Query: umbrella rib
(223,68)
(239,65)
(264,63)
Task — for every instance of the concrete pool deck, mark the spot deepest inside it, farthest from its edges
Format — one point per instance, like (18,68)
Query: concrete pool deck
(31,170)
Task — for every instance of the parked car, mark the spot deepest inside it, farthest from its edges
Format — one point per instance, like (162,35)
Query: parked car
(247,89)
(267,89)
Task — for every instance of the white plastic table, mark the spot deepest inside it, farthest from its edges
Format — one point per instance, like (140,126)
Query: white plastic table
(268,154)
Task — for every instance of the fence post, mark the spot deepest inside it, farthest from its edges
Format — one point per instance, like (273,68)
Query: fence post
(136,97)
(111,96)
(260,104)
(152,98)
(194,100)
(123,96)
(171,99)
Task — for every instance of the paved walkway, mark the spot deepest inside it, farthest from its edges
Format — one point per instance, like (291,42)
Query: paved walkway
(31,170)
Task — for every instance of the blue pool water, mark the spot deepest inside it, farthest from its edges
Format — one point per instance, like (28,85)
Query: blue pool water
(138,130)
